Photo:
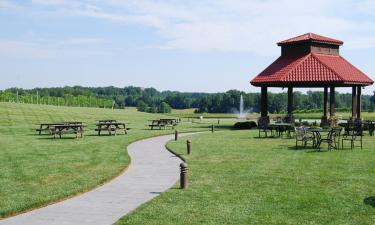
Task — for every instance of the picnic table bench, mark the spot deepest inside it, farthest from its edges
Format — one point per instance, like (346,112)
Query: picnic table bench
(50,126)
(67,128)
(107,121)
(112,126)
(163,123)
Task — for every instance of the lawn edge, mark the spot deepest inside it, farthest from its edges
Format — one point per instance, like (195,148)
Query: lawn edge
(46,204)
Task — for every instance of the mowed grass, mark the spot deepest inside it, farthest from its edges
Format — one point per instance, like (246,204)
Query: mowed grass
(189,113)
(38,170)
(237,178)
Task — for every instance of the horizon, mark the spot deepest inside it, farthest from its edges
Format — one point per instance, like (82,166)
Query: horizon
(270,90)
(207,46)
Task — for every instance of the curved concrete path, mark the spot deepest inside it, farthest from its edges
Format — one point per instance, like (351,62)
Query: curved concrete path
(153,170)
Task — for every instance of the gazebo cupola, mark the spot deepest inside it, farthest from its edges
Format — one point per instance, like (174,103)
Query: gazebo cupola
(312,60)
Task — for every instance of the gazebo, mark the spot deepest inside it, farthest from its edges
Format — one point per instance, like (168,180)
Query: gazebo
(312,61)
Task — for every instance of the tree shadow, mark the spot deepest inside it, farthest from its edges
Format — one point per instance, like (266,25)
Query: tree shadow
(370,201)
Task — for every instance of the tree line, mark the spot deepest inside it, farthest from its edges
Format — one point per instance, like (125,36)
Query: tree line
(154,101)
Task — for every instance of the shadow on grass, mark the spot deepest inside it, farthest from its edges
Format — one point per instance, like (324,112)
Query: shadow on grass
(62,138)
(268,137)
(370,201)
(308,149)
(105,135)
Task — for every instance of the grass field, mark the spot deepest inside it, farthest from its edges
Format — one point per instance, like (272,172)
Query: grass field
(189,113)
(37,170)
(236,178)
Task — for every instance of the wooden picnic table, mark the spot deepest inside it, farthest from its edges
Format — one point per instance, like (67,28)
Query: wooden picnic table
(49,126)
(66,128)
(111,126)
(107,121)
(163,123)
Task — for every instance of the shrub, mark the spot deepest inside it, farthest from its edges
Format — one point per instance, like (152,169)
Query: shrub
(244,125)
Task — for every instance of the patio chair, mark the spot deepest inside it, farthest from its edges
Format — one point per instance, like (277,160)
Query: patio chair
(265,129)
(302,135)
(332,139)
(353,134)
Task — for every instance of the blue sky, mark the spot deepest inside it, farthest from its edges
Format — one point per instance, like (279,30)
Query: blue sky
(201,45)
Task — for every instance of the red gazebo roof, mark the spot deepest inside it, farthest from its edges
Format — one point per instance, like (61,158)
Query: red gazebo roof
(311,69)
(310,37)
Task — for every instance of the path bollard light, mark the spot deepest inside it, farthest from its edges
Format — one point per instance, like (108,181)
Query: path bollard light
(188,145)
(176,135)
(212,128)
(183,175)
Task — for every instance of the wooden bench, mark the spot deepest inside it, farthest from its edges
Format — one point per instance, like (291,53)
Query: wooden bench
(46,126)
(66,129)
(111,127)
(162,123)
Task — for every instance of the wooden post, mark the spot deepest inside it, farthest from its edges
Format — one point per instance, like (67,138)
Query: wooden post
(176,135)
(290,101)
(359,102)
(183,175)
(188,146)
(263,102)
(332,101)
(354,102)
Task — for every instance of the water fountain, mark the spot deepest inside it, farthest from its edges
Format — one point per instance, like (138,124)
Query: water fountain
(242,111)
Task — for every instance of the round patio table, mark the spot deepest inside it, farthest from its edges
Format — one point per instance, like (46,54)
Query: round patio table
(317,132)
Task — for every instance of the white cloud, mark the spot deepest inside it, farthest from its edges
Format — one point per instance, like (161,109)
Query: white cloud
(11,48)
(231,25)
(8,5)
(50,50)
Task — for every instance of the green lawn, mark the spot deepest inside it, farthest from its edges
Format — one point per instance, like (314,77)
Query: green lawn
(37,170)
(236,178)
(189,113)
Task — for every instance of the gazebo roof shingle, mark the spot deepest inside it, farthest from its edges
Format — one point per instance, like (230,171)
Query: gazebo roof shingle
(311,68)
(311,37)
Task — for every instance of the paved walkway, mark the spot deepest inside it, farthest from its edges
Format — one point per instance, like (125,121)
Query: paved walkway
(153,170)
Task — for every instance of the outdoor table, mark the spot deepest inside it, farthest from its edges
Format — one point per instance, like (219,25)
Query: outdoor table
(47,126)
(111,126)
(162,123)
(107,121)
(317,132)
(65,128)
(368,124)
(279,127)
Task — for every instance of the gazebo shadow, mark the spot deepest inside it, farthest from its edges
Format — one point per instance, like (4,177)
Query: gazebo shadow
(269,137)
(370,201)
(307,149)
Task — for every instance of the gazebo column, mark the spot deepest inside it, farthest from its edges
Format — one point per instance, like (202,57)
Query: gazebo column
(354,103)
(325,103)
(332,109)
(263,102)
(290,118)
(264,119)
(324,120)
(359,102)
(290,101)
